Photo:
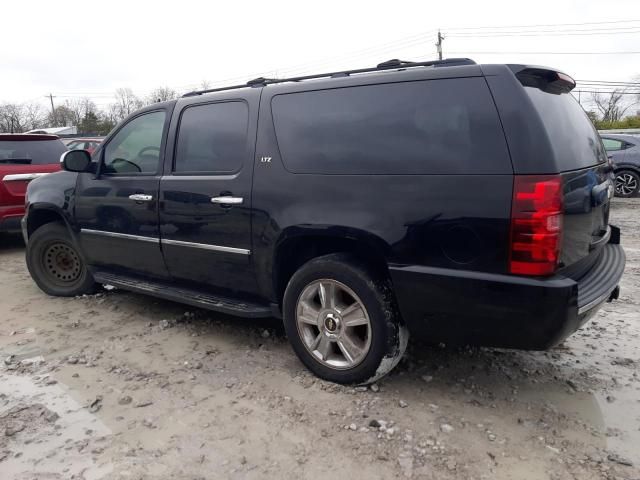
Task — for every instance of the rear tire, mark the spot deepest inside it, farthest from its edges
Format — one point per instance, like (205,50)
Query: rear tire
(342,321)
(627,183)
(55,264)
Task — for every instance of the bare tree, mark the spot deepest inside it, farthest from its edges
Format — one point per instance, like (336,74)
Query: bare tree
(63,117)
(161,94)
(612,106)
(126,103)
(34,115)
(112,114)
(78,109)
(20,117)
(10,118)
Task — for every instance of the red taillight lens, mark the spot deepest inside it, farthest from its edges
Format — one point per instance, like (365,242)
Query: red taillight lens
(536,224)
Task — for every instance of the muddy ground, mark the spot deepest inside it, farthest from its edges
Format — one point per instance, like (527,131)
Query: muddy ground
(123,386)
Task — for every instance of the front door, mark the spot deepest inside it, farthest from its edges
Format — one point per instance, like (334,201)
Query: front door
(205,195)
(117,209)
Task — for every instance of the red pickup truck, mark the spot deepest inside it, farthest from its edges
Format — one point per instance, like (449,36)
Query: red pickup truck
(23,157)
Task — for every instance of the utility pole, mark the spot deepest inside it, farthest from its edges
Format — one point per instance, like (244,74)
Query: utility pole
(439,45)
(53,110)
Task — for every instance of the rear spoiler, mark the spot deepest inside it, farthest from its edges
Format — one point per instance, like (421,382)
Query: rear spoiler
(546,79)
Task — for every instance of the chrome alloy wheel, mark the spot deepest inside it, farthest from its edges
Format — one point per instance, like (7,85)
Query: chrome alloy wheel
(333,324)
(626,184)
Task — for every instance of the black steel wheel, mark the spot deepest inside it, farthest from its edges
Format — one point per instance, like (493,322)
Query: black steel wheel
(55,263)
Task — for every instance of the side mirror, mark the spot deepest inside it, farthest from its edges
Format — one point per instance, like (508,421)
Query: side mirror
(76,161)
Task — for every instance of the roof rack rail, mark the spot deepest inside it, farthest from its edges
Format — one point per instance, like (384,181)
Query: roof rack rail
(388,65)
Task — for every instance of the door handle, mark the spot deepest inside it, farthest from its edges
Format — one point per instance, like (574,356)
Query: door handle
(141,197)
(227,200)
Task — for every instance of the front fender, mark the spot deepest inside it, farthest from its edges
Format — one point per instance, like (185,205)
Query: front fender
(52,194)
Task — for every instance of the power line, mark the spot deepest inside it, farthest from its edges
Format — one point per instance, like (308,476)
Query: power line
(546,53)
(538,30)
(606,92)
(542,25)
(608,85)
(607,82)
(540,34)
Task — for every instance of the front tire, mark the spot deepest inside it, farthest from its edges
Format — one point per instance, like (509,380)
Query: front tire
(627,183)
(342,321)
(55,264)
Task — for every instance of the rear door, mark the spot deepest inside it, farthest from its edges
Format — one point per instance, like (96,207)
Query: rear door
(205,209)
(580,158)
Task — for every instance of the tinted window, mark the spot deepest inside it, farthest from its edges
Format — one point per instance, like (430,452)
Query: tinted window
(212,138)
(36,152)
(612,145)
(136,146)
(437,126)
(574,139)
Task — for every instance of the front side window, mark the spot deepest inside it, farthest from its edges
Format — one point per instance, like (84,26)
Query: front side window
(212,138)
(612,145)
(136,147)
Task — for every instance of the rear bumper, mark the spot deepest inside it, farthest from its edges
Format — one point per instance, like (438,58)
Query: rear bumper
(473,308)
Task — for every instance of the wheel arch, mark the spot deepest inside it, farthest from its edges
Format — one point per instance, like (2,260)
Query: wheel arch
(41,215)
(626,166)
(299,245)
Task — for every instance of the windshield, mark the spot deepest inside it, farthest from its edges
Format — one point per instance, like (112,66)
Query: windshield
(34,152)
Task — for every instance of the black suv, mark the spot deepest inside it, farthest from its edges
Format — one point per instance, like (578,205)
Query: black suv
(464,203)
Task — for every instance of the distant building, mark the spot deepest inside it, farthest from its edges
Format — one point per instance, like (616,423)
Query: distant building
(61,131)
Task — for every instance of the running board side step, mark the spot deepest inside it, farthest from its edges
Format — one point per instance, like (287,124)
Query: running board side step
(183,295)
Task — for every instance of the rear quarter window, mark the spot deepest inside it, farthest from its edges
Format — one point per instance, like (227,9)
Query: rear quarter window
(573,137)
(447,126)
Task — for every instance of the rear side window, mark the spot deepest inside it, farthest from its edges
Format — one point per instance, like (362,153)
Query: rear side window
(212,138)
(426,127)
(31,152)
(573,137)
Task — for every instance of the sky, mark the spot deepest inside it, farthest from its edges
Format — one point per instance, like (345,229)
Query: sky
(86,48)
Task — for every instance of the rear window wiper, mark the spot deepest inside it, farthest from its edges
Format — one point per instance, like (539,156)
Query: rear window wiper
(21,161)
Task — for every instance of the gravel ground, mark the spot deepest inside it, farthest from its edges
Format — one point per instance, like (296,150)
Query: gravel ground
(118,385)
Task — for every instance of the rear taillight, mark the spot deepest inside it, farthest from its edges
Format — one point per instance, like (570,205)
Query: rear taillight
(536,224)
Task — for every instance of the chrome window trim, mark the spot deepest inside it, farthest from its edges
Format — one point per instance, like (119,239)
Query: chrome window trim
(14,177)
(120,235)
(206,246)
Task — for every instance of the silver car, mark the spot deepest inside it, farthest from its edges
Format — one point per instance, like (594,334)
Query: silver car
(625,152)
